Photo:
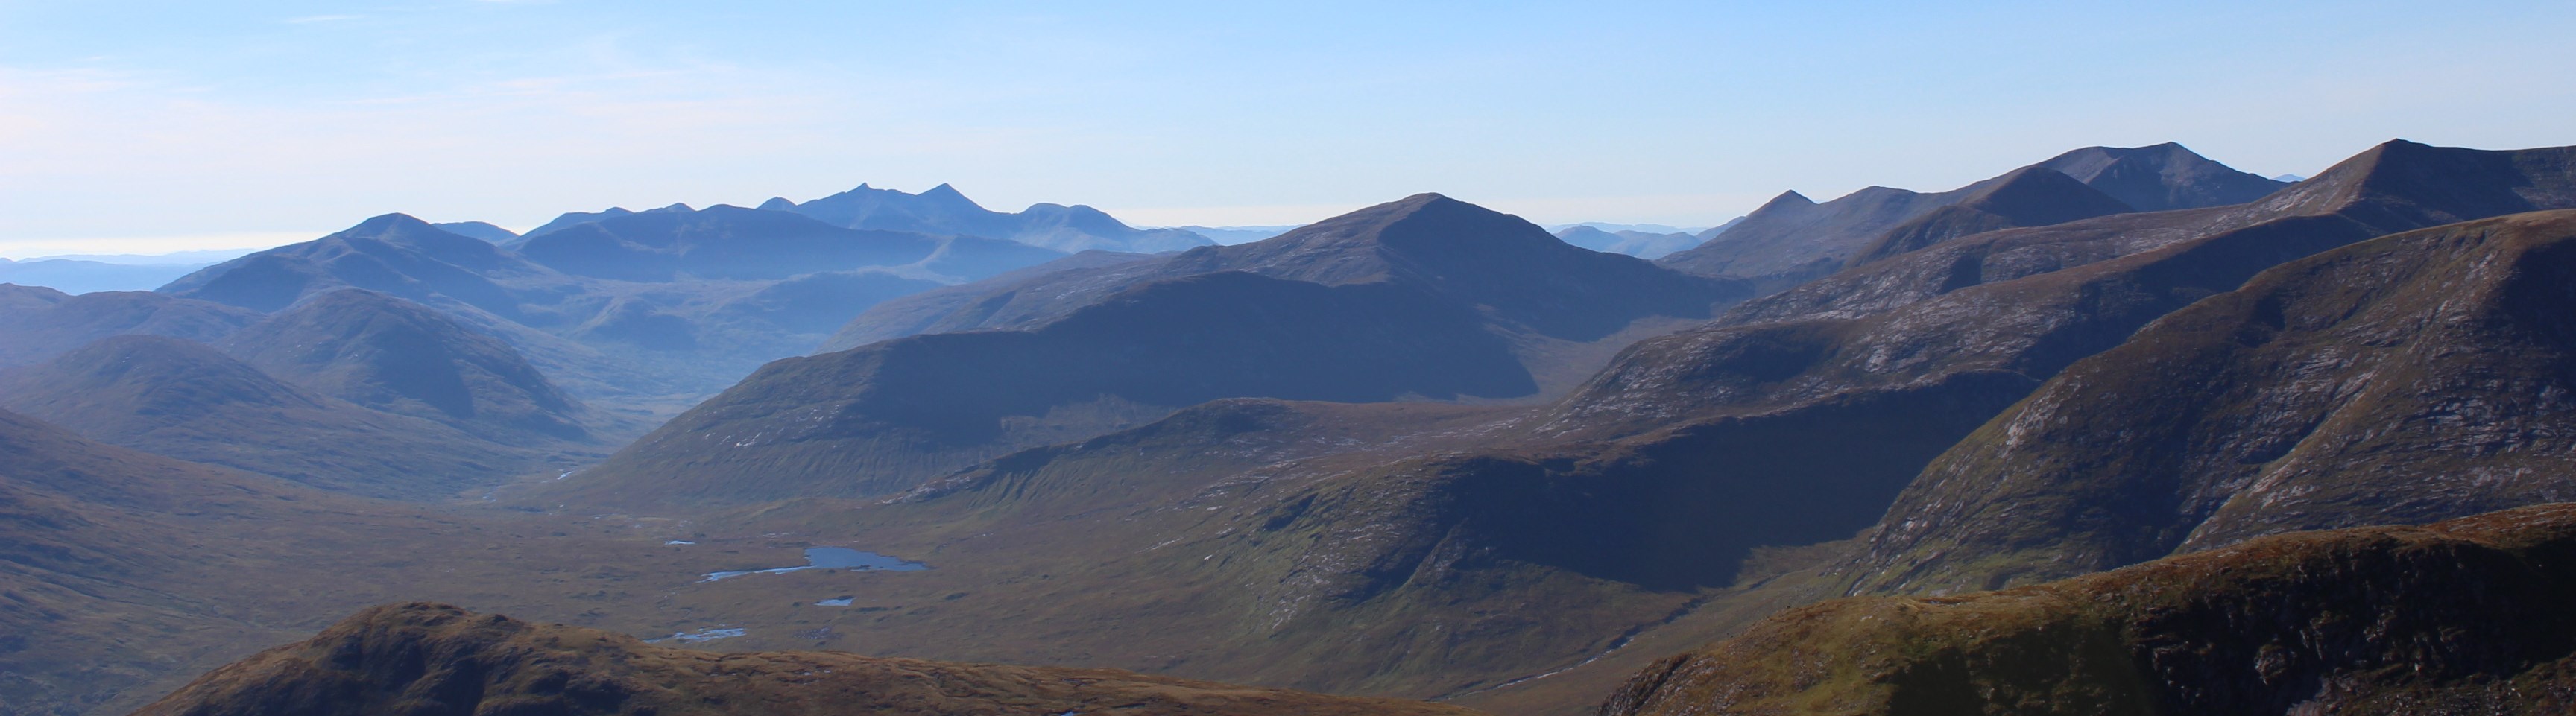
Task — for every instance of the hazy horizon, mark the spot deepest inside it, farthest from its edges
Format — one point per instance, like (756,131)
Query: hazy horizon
(275,122)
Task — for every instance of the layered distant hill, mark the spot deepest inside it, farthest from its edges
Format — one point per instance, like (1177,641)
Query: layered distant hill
(1641,244)
(401,357)
(2463,617)
(1793,238)
(1425,298)
(638,314)
(430,658)
(944,211)
(732,243)
(187,400)
(37,324)
(78,277)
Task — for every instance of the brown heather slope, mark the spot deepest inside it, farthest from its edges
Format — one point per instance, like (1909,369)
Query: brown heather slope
(2463,617)
(186,400)
(2411,378)
(432,660)
(1425,298)
(38,323)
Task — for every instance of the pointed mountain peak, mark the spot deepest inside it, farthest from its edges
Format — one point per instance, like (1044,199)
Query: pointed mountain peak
(1790,198)
(777,203)
(1421,223)
(945,194)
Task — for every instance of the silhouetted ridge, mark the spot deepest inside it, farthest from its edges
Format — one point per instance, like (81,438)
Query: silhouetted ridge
(943,210)
(393,253)
(1791,239)
(720,242)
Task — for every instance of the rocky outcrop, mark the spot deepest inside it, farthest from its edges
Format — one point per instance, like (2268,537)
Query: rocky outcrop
(2462,617)
(437,660)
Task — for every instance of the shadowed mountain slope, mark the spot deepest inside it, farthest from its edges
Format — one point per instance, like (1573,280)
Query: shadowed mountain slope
(2463,617)
(2031,196)
(1866,376)
(1792,238)
(186,400)
(951,309)
(37,323)
(2411,378)
(942,210)
(2163,177)
(434,659)
(400,357)
(1422,298)
(1464,253)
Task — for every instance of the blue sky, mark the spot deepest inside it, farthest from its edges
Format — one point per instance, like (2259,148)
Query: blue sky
(147,126)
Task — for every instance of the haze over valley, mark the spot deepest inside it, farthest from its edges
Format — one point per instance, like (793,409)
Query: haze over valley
(553,358)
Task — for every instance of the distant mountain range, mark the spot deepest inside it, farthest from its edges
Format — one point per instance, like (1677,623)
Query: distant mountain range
(1793,239)
(77,276)
(1422,450)
(1640,244)
(944,211)
(1427,297)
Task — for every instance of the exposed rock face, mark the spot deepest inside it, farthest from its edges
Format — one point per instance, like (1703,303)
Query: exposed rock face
(431,659)
(2462,617)
(2411,378)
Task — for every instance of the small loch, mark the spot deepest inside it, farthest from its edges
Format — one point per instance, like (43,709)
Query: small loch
(701,635)
(832,558)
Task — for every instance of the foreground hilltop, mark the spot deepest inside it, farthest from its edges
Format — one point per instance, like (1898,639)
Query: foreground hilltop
(430,659)
(2462,617)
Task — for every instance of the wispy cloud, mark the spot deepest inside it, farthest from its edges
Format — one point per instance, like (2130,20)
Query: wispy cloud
(309,19)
